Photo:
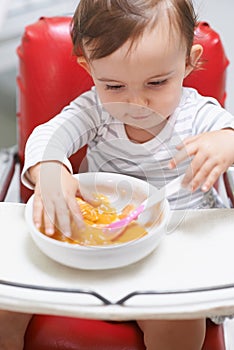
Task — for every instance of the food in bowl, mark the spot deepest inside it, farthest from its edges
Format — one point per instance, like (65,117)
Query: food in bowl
(94,219)
(120,190)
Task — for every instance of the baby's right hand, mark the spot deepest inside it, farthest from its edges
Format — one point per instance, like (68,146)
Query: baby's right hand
(55,197)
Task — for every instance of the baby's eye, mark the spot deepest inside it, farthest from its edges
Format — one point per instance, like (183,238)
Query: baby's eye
(114,87)
(157,83)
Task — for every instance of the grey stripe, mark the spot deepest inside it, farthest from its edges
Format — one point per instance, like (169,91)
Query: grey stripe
(85,99)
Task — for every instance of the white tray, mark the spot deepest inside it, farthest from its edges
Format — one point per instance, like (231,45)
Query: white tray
(191,273)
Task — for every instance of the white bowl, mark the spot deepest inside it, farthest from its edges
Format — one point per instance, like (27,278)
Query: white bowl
(120,190)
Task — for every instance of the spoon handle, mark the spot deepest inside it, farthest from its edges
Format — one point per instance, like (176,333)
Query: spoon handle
(118,226)
(164,192)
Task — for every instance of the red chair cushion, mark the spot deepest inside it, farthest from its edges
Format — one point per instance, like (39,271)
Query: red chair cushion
(52,332)
(55,333)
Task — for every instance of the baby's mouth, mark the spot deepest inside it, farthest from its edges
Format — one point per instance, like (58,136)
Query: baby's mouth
(140,117)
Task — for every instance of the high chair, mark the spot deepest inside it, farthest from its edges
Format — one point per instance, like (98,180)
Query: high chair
(48,78)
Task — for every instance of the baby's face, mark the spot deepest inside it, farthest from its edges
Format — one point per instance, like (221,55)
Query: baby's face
(142,87)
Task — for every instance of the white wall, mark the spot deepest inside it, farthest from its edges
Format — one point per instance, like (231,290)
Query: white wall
(16,14)
(220,15)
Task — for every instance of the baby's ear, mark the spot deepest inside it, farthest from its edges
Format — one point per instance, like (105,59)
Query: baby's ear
(195,55)
(81,60)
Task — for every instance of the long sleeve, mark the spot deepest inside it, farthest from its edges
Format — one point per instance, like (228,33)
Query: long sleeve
(64,134)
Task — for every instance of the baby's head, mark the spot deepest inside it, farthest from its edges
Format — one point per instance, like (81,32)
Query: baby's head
(103,26)
(138,53)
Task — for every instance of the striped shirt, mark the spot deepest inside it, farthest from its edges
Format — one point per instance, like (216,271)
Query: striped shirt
(85,121)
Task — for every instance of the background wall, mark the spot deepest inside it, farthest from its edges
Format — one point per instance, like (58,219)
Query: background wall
(15,14)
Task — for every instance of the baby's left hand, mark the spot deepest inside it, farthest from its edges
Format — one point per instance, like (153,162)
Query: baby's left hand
(212,152)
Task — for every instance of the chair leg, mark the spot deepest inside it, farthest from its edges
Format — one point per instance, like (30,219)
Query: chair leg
(214,339)
(8,158)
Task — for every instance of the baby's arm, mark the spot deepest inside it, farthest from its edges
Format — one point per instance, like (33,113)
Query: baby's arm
(211,152)
(46,162)
(55,197)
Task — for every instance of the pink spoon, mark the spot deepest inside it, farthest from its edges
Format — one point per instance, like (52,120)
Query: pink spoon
(116,227)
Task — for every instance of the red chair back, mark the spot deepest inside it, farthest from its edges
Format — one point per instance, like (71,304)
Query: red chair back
(49,76)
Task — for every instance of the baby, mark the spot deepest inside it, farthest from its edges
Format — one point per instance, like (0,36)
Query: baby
(137,120)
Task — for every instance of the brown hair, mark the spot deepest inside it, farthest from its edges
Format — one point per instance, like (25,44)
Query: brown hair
(105,25)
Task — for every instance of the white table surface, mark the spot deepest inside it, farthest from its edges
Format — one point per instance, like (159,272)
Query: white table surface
(197,254)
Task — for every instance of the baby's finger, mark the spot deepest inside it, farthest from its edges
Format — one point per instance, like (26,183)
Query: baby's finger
(187,179)
(92,198)
(187,141)
(63,218)
(193,172)
(37,210)
(49,218)
(201,176)
(211,179)
(76,213)
(88,194)
(180,156)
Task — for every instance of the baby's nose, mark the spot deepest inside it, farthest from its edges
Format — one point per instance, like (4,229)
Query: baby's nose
(138,99)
